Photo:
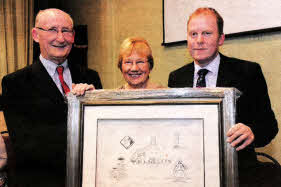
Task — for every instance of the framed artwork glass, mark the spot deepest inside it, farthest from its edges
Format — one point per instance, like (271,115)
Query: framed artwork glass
(165,137)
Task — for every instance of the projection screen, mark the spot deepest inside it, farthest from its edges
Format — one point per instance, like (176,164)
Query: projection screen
(240,16)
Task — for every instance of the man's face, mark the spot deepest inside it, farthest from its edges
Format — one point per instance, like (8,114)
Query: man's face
(203,39)
(54,46)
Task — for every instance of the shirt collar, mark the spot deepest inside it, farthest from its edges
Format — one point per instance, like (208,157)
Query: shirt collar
(51,66)
(213,66)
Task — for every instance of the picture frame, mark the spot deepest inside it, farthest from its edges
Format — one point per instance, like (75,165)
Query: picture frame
(164,137)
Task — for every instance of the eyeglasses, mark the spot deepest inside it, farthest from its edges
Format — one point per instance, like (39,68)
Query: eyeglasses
(54,32)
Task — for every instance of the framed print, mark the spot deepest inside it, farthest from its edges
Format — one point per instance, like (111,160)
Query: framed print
(143,138)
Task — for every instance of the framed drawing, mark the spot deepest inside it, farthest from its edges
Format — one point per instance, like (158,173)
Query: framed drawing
(166,137)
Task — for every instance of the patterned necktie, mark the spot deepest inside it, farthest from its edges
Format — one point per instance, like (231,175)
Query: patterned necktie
(201,82)
(64,86)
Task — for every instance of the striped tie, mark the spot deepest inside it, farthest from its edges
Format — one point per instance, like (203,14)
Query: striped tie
(63,84)
(201,82)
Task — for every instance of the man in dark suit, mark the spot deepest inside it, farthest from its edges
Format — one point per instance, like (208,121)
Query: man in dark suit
(256,123)
(36,108)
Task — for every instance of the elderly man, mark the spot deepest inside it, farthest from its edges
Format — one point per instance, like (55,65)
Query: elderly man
(256,124)
(36,109)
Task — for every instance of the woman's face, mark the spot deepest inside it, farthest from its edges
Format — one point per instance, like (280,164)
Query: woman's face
(135,69)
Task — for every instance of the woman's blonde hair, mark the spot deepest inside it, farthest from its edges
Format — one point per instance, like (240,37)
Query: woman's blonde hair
(130,44)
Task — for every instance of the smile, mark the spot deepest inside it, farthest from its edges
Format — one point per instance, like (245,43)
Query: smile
(200,49)
(135,75)
(59,46)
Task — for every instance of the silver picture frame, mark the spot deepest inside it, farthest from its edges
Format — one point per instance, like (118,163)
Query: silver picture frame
(164,137)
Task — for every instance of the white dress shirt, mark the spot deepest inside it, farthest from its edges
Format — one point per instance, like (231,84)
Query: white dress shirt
(212,75)
(51,68)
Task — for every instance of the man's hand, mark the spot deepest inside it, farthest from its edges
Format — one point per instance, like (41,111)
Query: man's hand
(79,89)
(240,134)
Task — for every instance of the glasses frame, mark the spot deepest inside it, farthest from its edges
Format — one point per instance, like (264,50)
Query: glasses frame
(55,31)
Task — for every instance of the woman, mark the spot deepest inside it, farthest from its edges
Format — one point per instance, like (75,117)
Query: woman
(136,62)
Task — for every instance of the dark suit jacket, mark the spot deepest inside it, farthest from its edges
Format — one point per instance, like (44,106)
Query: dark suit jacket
(36,116)
(253,107)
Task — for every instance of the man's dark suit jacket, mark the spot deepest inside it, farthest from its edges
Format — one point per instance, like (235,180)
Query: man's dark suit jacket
(36,116)
(253,107)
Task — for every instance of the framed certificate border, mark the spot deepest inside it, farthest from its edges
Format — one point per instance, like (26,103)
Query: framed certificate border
(120,138)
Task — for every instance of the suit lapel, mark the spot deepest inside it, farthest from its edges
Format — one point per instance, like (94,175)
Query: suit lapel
(75,75)
(76,72)
(44,83)
(225,74)
(221,74)
(189,76)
